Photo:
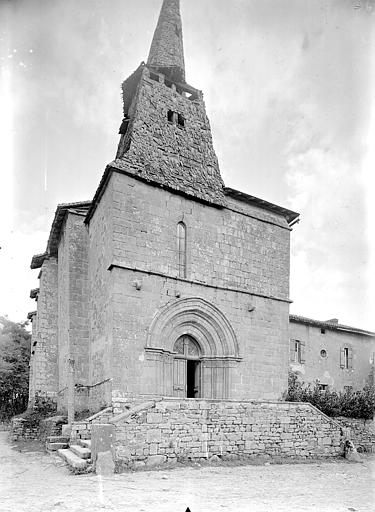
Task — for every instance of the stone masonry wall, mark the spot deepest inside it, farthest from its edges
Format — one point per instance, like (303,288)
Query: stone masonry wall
(236,261)
(44,364)
(361,432)
(63,319)
(100,256)
(82,429)
(179,156)
(224,248)
(174,430)
(73,309)
(262,336)
(78,305)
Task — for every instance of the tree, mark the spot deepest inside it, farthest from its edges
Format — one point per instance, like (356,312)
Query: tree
(14,367)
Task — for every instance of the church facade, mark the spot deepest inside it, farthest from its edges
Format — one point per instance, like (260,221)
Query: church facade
(167,283)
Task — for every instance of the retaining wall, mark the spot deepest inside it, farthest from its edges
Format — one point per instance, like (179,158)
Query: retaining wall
(172,430)
(82,429)
(32,428)
(361,432)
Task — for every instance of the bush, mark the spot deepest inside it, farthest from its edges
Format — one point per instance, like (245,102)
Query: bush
(350,404)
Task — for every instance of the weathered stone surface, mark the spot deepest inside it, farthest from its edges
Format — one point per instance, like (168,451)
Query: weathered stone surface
(155,460)
(72,459)
(351,453)
(158,149)
(104,465)
(102,439)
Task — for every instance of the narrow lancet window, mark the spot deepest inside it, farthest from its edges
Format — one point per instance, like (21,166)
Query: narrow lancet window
(181,248)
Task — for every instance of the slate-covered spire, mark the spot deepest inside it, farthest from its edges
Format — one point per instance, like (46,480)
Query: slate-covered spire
(167,50)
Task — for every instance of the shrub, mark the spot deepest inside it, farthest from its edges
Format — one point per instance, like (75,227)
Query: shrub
(350,404)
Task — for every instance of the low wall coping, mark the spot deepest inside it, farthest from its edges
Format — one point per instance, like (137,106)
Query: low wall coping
(134,410)
(96,415)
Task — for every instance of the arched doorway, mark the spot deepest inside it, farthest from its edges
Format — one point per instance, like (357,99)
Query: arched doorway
(187,368)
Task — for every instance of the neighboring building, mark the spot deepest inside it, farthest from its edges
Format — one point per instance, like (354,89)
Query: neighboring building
(335,355)
(168,282)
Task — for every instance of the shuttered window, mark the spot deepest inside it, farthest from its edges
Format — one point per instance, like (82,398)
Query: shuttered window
(346,358)
(297,351)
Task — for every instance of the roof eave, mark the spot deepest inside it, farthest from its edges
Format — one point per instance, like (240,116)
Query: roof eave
(289,215)
(329,325)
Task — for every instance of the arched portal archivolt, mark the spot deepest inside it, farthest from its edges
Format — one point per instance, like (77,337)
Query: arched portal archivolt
(198,318)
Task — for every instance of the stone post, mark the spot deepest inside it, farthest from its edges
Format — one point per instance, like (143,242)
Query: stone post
(70,391)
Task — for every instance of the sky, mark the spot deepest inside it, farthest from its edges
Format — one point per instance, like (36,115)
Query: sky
(289,88)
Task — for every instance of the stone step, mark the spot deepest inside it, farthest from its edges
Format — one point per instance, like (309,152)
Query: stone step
(57,439)
(72,459)
(80,451)
(53,447)
(86,443)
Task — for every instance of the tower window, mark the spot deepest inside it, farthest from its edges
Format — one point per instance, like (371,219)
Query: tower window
(154,77)
(175,118)
(170,116)
(181,249)
(181,120)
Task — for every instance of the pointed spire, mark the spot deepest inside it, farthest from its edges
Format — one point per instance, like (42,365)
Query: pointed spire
(167,50)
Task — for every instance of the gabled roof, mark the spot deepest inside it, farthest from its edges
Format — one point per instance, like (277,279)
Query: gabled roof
(332,325)
(79,208)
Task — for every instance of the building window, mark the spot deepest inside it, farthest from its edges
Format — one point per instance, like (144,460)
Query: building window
(170,116)
(181,249)
(175,118)
(323,353)
(180,120)
(346,358)
(297,351)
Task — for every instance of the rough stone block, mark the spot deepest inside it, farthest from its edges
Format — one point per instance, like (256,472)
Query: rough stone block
(104,464)
(102,439)
(153,436)
(154,417)
(155,460)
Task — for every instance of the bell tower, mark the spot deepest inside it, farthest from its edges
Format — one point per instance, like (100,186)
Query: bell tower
(165,134)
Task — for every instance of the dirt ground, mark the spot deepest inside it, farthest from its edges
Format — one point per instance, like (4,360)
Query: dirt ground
(33,481)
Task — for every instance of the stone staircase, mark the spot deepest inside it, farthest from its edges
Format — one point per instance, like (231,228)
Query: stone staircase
(77,455)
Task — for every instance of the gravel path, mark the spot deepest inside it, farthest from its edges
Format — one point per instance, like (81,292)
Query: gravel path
(36,482)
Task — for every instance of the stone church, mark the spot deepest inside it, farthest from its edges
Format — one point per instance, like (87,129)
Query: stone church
(167,283)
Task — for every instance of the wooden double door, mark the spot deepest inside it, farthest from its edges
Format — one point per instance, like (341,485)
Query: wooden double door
(187,368)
